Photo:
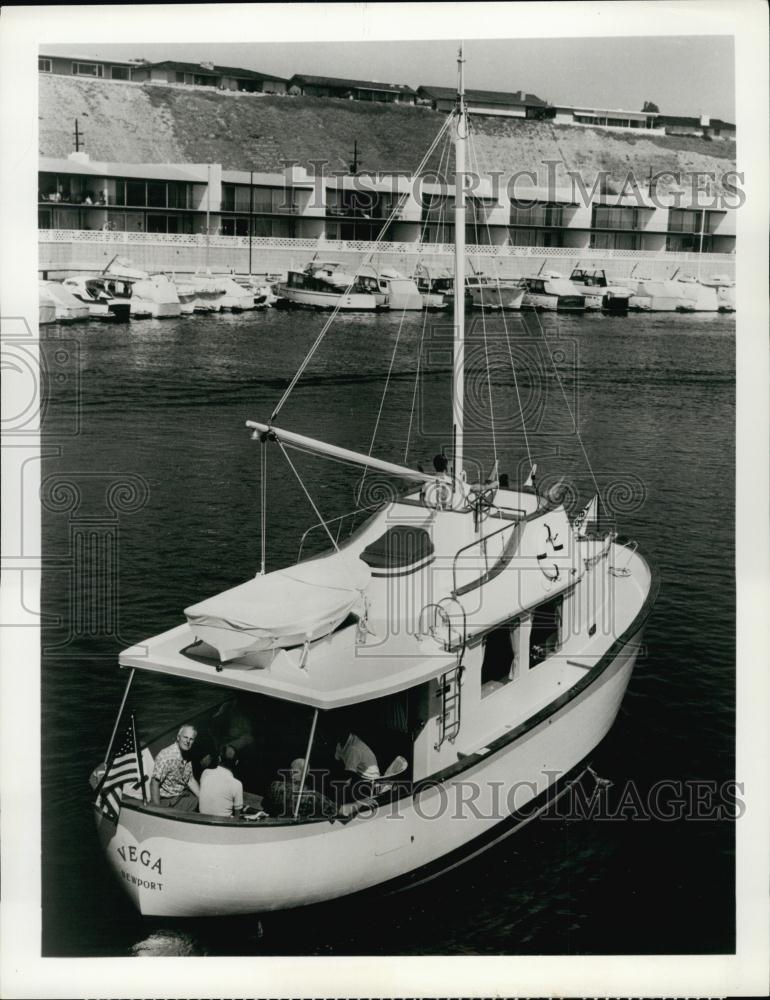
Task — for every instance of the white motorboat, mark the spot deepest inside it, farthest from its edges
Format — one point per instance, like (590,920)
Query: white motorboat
(436,287)
(591,282)
(46,305)
(700,297)
(103,303)
(494,293)
(152,295)
(725,289)
(328,286)
(199,293)
(401,293)
(651,295)
(260,290)
(67,308)
(469,644)
(550,291)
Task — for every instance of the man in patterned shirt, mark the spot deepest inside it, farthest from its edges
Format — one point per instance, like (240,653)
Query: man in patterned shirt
(172,783)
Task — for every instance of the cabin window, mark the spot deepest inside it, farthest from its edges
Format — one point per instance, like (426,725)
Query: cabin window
(545,635)
(120,73)
(499,664)
(44,65)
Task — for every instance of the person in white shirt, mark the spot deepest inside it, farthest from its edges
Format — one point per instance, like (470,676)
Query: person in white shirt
(221,793)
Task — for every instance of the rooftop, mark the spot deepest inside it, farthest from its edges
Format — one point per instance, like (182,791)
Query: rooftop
(519,98)
(202,69)
(334,81)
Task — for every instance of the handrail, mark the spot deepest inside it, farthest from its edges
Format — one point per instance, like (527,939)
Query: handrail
(334,520)
(443,614)
(624,570)
(484,539)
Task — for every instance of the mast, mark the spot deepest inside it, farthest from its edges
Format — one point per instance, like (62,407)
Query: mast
(458,383)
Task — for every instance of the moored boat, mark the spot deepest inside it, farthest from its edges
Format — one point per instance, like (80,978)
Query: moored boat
(550,291)
(652,295)
(103,303)
(67,308)
(452,665)
(46,305)
(401,293)
(436,287)
(591,282)
(152,295)
(328,286)
(725,289)
(494,293)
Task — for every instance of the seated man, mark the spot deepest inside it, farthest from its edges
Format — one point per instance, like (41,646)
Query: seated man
(172,783)
(357,758)
(221,793)
(281,799)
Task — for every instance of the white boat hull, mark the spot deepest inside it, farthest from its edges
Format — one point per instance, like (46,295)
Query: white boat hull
(351,302)
(190,867)
(497,296)
(554,303)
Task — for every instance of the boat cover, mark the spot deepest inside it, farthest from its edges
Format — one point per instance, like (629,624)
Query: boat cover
(283,608)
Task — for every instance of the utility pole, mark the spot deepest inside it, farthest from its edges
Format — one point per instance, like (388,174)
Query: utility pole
(251,213)
(355,161)
(78,137)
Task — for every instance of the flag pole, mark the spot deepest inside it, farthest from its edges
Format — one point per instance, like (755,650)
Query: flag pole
(138,759)
(120,713)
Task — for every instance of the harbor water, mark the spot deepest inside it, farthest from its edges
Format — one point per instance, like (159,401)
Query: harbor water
(150,502)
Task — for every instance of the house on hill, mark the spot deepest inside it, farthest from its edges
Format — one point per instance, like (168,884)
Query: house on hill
(354,90)
(570,114)
(702,127)
(206,74)
(488,102)
(88,66)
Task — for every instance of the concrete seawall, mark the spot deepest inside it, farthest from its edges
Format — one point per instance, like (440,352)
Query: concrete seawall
(69,252)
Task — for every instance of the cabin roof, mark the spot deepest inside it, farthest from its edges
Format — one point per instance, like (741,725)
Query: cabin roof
(367,674)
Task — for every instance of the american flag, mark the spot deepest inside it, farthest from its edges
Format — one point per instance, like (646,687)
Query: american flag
(122,769)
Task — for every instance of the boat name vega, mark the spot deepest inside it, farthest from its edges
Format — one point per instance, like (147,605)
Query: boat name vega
(144,857)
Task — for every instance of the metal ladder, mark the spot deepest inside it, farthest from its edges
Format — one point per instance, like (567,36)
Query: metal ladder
(451,704)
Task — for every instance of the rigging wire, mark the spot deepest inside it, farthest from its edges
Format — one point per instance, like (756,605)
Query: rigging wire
(572,415)
(507,334)
(310,499)
(387,380)
(316,343)
(425,224)
(473,157)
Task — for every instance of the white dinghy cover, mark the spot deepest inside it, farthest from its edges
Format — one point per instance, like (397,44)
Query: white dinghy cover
(285,608)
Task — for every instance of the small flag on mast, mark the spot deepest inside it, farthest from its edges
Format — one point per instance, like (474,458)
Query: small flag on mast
(123,769)
(586,518)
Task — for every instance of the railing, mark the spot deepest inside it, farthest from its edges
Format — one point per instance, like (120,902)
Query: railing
(482,544)
(339,521)
(201,241)
(624,570)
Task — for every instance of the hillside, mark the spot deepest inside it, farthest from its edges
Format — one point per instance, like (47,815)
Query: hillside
(135,123)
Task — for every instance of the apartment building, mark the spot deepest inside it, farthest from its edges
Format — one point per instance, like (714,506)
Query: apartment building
(79,194)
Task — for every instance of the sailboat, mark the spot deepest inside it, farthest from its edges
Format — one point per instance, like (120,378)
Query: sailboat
(455,661)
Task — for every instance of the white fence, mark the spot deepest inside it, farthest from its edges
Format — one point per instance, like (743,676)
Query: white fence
(71,251)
